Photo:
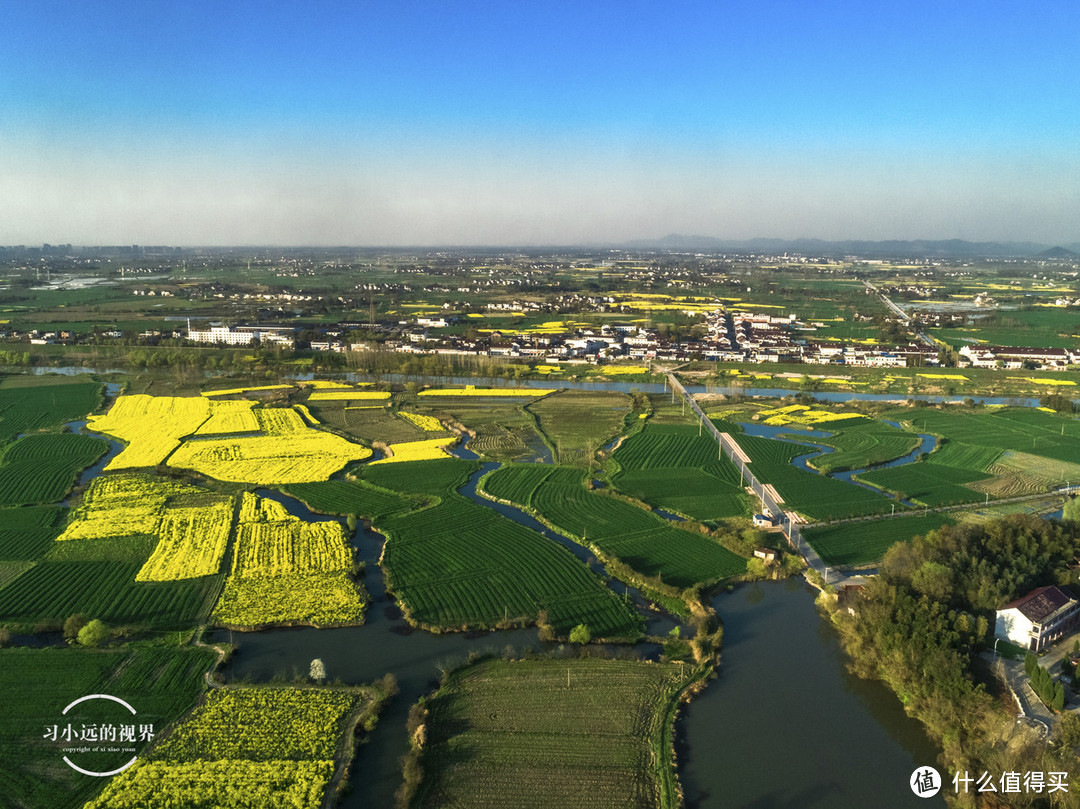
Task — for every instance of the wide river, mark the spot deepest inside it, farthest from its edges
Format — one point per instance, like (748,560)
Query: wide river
(783,725)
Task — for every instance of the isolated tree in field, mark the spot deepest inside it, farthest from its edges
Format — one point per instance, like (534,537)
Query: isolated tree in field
(318,670)
(93,634)
(580,634)
(73,624)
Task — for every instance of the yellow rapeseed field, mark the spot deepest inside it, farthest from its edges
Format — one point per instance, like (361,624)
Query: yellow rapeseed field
(470,390)
(231,391)
(151,425)
(192,526)
(299,457)
(230,416)
(307,414)
(286,570)
(427,450)
(191,542)
(1036,381)
(613,370)
(346,395)
(428,424)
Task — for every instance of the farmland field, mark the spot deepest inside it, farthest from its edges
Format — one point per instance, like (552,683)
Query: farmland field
(1019,473)
(189,527)
(52,590)
(368,424)
(426,450)
(565,733)
(348,497)
(862,442)
(285,570)
(863,543)
(1022,429)
(27,405)
(816,496)
(504,430)
(578,423)
(152,426)
(672,467)
(928,483)
(160,682)
(27,533)
(242,747)
(456,564)
(286,450)
(646,542)
(1001,452)
(41,468)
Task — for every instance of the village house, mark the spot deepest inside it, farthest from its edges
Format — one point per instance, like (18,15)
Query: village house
(1038,619)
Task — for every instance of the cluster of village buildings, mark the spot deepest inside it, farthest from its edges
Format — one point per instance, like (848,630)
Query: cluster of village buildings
(726,336)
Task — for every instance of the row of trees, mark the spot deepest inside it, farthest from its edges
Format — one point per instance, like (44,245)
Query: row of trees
(1042,683)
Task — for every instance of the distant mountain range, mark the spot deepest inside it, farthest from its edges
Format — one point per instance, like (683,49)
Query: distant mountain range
(919,248)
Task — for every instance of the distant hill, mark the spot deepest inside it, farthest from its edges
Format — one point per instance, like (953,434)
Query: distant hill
(921,248)
(1057,252)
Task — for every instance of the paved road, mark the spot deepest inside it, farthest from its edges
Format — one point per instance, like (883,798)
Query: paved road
(922,337)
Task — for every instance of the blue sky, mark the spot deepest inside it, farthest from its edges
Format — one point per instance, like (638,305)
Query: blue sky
(399,122)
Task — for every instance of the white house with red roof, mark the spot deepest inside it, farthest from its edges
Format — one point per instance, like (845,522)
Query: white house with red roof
(1038,619)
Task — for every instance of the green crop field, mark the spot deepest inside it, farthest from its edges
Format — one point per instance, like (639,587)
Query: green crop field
(1039,328)
(348,497)
(160,682)
(41,468)
(863,543)
(1021,429)
(27,533)
(671,467)
(927,483)
(519,485)
(646,542)
(456,564)
(816,496)
(52,590)
(504,431)
(421,477)
(577,423)
(33,403)
(1000,452)
(959,455)
(367,423)
(862,442)
(554,733)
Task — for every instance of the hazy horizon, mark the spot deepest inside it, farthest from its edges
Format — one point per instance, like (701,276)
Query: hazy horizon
(469,124)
